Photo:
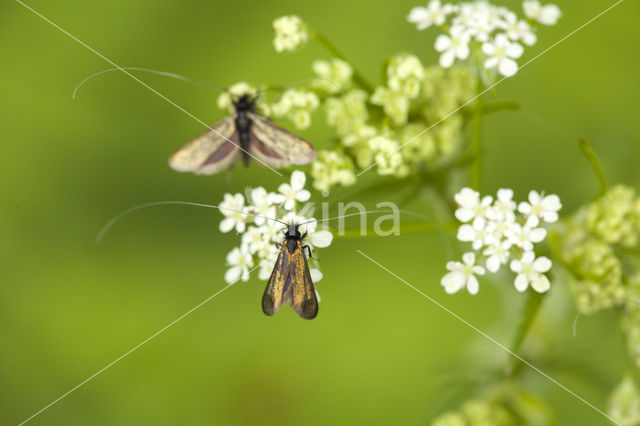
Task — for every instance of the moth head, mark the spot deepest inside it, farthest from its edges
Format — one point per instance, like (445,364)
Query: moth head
(245,102)
(292,231)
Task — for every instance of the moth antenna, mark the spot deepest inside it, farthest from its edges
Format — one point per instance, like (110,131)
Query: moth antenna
(124,213)
(163,73)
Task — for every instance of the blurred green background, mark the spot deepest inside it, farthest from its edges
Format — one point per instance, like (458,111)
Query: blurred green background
(378,353)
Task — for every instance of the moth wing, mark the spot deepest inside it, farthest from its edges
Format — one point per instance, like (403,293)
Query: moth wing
(273,297)
(301,294)
(276,146)
(210,152)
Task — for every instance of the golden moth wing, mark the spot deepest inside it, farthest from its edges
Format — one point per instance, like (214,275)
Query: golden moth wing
(276,146)
(210,152)
(302,294)
(273,297)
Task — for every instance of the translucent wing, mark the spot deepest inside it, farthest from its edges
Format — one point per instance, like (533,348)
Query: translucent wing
(291,283)
(276,146)
(210,152)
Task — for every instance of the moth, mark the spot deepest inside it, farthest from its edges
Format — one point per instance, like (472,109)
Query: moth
(290,281)
(246,134)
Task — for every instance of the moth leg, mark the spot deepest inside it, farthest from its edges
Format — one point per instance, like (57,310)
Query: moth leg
(308,250)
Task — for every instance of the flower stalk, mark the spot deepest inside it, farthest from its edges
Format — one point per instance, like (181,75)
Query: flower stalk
(529,313)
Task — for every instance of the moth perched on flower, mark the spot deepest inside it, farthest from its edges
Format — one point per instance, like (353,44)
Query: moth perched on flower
(499,237)
(259,217)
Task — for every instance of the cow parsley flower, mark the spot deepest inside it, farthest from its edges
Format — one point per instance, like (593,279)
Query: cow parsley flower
(332,168)
(290,32)
(497,237)
(434,14)
(546,15)
(453,45)
(531,271)
(462,275)
(259,235)
(239,262)
(334,76)
(297,106)
(501,53)
(540,207)
(290,193)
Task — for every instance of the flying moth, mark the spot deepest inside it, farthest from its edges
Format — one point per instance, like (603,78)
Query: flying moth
(290,281)
(245,133)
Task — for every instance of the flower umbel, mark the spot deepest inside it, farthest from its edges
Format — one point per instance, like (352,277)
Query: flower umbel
(290,32)
(496,236)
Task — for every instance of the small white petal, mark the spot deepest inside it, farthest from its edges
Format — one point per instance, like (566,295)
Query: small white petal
(488,49)
(298,180)
(453,281)
(490,63)
(316,275)
(232,274)
(303,195)
(442,42)
(540,283)
(493,264)
(537,235)
(464,214)
(508,67)
(516,266)
(542,264)
(521,282)
(505,194)
(469,258)
(321,239)
(227,224)
(447,58)
(524,207)
(472,285)
(466,233)
(515,50)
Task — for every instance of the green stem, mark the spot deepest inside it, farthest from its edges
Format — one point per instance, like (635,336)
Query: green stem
(595,163)
(632,367)
(476,145)
(412,228)
(492,107)
(329,47)
(531,308)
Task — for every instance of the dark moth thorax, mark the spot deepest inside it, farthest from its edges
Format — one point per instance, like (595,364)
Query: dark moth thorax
(243,106)
(292,238)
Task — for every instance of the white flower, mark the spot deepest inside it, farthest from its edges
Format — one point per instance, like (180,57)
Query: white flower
(531,272)
(262,205)
(321,238)
(540,207)
(546,15)
(234,211)
(462,275)
(501,54)
(388,157)
(290,32)
(434,14)
(254,239)
(504,206)
(334,76)
(455,45)
(239,263)
(481,27)
(498,253)
(525,236)
(478,234)
(471,207)
(290,193)
(518,30)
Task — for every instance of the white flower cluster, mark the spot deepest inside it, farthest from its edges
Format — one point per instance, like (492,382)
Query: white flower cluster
(495,232)
(259,235)
(290,32)
(334,76)
(297,106)
(497,30)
